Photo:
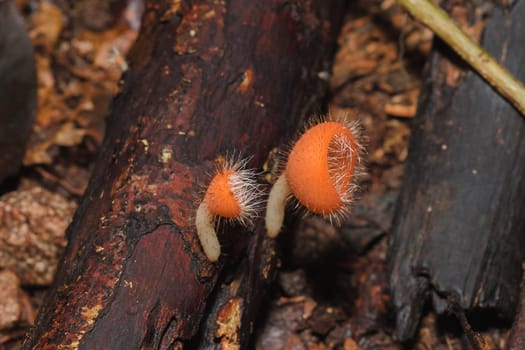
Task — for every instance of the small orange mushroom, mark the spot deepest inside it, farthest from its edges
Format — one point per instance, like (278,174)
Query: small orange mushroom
(233,194)
(319,173)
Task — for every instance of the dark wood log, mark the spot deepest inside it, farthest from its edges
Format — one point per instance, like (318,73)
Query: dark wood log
(235,308)
(459,225)
(205,78)
(17,88)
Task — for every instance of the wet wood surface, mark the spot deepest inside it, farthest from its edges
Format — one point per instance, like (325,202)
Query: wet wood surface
(205,78)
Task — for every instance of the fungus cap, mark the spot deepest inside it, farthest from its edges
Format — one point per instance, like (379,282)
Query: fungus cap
(321,165)
(220,197)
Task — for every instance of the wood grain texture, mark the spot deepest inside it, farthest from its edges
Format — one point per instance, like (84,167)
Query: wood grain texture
(459,224)
(205,78)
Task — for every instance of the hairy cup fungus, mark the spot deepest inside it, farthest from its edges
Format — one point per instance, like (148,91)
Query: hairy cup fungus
(320,173)
(233,194)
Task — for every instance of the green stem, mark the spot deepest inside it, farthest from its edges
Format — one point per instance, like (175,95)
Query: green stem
(495,74)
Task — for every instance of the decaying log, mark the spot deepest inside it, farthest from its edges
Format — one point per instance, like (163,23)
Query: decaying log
(459,224)
(206,78)
(235,308)
(17,88)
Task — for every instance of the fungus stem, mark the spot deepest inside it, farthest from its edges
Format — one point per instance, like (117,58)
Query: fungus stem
(206,232)
(276,206)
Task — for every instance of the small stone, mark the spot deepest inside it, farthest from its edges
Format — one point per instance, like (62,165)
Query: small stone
(33,222)
(10,303)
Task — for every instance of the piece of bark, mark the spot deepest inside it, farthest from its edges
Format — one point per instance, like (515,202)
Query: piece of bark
(17,88)
(205,78)
(459,225)
(235,307)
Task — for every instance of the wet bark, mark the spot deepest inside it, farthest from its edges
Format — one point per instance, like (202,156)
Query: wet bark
(458,229)
(206,78)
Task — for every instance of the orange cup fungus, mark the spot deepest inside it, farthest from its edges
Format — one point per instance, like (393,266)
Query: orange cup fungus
(232,194)
(319,173)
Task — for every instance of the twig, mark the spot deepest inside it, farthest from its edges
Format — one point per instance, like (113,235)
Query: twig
(495,74)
